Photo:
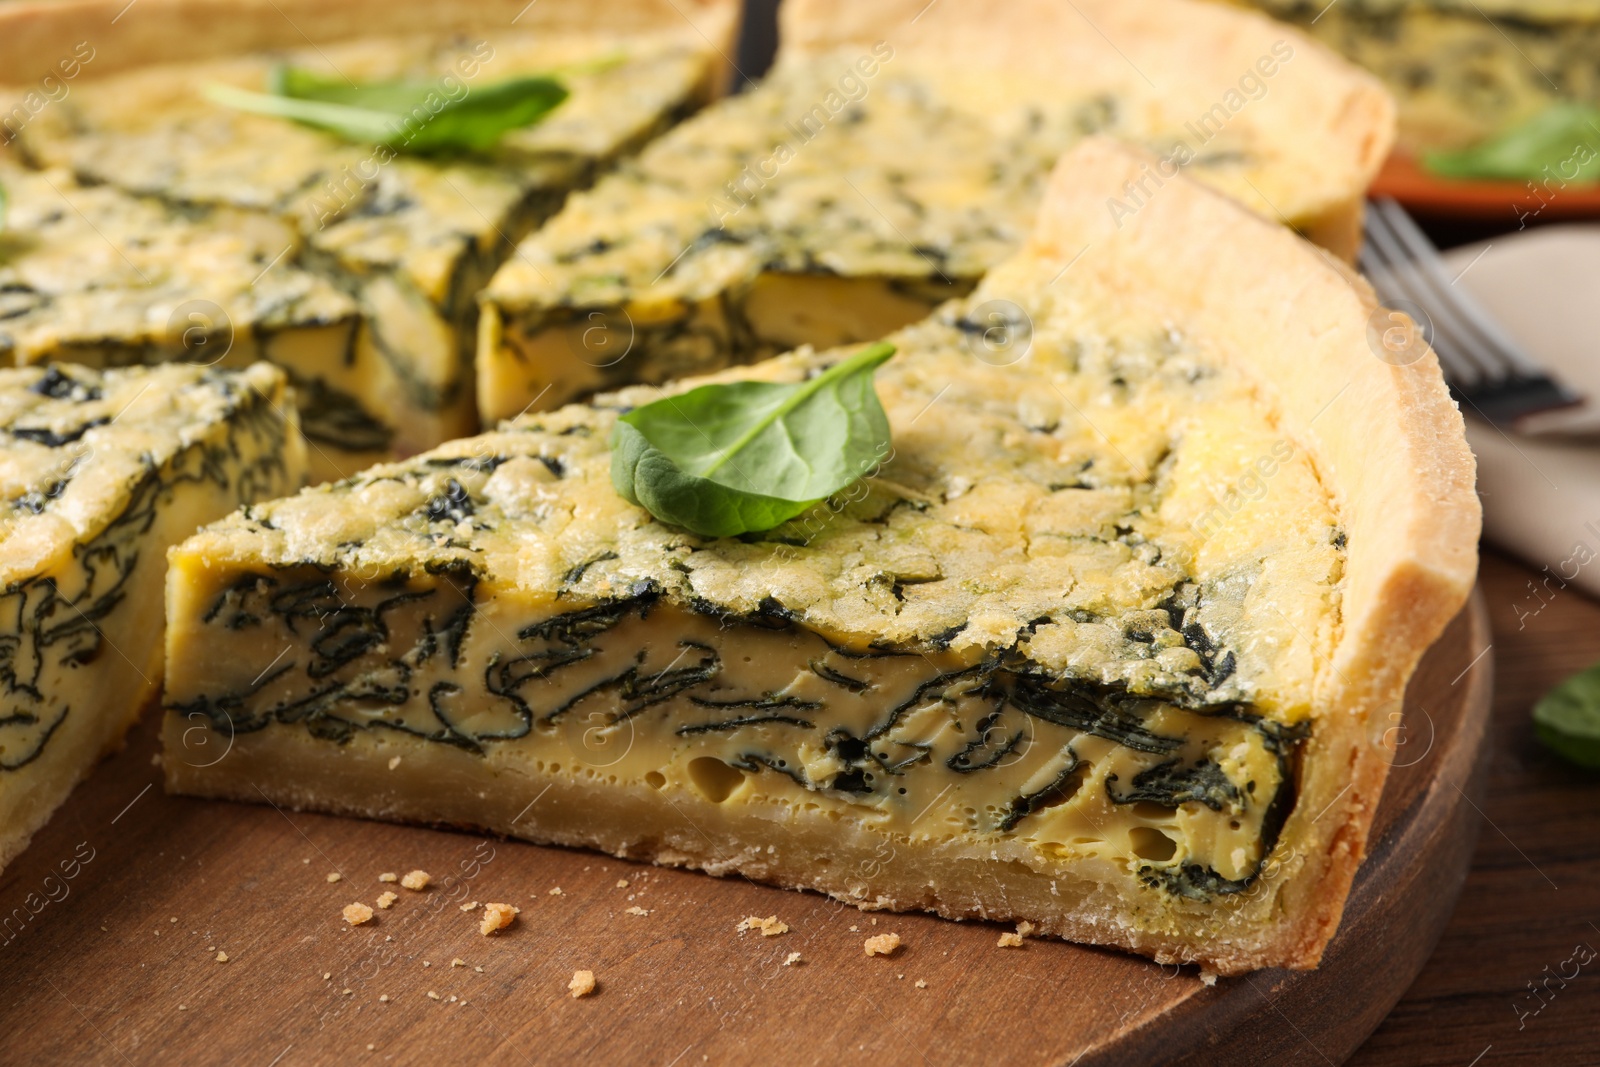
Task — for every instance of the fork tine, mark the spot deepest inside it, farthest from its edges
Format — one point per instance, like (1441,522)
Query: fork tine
(1485,368)
(1512,360)
(1399,277)
(1470,361)
(1392,291)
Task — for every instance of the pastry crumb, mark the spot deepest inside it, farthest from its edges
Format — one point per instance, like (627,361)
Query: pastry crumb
(222,957)
(458,962)
(556,892)
(582,983)
(478,969)
(383,999)
(1208,978)
(622,883)
(471,905)
(388,876)
(327,975)
(791,959)
(1024,928)
(394,763)
(636,910)
(416,880)
(432,995)
(497,917)
(771,926)
(386,899)
(882,944)
(334,877)
(921,984)
(357,913)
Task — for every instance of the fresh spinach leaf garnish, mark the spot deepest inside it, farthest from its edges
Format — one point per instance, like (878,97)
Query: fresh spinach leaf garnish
(1567,719)
(1563,140)
(743,457)
(407,116)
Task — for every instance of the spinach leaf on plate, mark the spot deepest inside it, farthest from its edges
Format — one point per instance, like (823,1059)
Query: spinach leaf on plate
(742,457)
(1563,141)
(1567,719)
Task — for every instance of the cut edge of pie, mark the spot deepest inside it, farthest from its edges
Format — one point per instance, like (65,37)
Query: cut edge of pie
(1331,115)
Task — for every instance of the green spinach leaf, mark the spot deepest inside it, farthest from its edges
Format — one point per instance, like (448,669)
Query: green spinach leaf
(723,460)
(1563,142)
(1567,719)
(407,116)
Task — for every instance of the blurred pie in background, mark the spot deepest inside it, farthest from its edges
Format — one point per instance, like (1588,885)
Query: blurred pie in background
(1488,89)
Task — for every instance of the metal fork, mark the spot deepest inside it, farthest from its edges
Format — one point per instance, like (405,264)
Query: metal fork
(1487,371)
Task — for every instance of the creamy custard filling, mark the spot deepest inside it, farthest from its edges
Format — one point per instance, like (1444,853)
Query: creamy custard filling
(1185,797)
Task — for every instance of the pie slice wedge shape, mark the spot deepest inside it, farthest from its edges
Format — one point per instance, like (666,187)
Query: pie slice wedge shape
(405,242)
(102,472)
(1107,644)
(895,153)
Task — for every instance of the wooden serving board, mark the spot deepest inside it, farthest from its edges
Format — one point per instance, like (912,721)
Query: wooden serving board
(117,964)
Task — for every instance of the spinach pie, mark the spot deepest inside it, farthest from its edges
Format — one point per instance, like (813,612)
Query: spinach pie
(401,241)
(896,152)
(101,472)
(1107,643)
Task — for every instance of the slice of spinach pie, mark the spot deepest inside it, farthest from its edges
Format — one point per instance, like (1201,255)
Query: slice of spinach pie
(406,227)
(1105,643)
(897,151)
(100,473)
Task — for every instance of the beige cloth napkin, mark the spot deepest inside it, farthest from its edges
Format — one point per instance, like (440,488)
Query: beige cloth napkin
(1541,495)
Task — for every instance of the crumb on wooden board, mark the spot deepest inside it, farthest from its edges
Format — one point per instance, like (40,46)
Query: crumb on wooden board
(881,944)
(497,917)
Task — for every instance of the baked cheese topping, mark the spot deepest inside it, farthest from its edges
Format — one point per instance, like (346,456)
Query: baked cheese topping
(406,242)
(99,474)
(843,198)
(100,278)
(1076,616)
(1462,71)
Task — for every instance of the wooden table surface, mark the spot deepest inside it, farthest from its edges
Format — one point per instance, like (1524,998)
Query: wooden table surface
(1508,982)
